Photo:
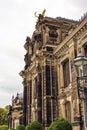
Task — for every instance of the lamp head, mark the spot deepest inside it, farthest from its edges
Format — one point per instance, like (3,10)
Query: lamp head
(80,64)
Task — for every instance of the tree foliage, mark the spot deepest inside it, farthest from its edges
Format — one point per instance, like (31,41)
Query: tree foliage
(35,125)
(60,124)
(3,127)
(3,116)
(20,127)
(12,129)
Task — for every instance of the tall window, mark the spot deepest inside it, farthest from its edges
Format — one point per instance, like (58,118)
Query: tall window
(85,105)
(68,111)
(85,50)
(66,73)
(85,53)
(49,120)
(48,90)
(35,88)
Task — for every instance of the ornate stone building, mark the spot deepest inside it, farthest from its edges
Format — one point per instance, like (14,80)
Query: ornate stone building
(50,87)
(15,115)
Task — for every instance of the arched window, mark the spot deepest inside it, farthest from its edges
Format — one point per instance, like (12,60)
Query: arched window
(68,111)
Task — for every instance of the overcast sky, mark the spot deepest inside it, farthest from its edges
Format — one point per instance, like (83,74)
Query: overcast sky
(17,21)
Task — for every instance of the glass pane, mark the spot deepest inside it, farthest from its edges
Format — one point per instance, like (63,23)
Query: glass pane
(85,62)
(79,71)
(68,111)
(78,63)
(85,70)
(66,73)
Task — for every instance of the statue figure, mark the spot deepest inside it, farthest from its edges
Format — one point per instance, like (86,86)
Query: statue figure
(43,12)
(40,15)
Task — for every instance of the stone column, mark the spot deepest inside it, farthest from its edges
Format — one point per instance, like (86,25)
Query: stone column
(25,102)
(33,100)
(39,97)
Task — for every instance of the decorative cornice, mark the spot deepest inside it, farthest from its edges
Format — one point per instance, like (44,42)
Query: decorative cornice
(81,26)
(63,51)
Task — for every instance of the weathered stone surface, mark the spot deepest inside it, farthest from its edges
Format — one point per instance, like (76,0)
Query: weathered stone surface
(53,46)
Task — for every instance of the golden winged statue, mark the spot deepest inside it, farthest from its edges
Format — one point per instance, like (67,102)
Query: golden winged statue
(43,12)
(37,16)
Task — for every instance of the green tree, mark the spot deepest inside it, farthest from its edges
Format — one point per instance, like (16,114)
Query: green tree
(3,127)
(20,127)
(35,125)
(3,116)
(60,124)
(12,129)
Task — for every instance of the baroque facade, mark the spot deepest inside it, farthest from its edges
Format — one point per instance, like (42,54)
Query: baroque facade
(15,115)
(50,87)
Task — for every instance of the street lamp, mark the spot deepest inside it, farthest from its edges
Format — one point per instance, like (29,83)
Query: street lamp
(80,65)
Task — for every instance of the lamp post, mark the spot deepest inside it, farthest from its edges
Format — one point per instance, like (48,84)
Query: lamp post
(80,65)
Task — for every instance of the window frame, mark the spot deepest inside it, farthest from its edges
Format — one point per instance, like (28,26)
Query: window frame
(65,73)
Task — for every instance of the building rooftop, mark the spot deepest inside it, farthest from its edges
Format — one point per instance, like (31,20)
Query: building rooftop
(70,20)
